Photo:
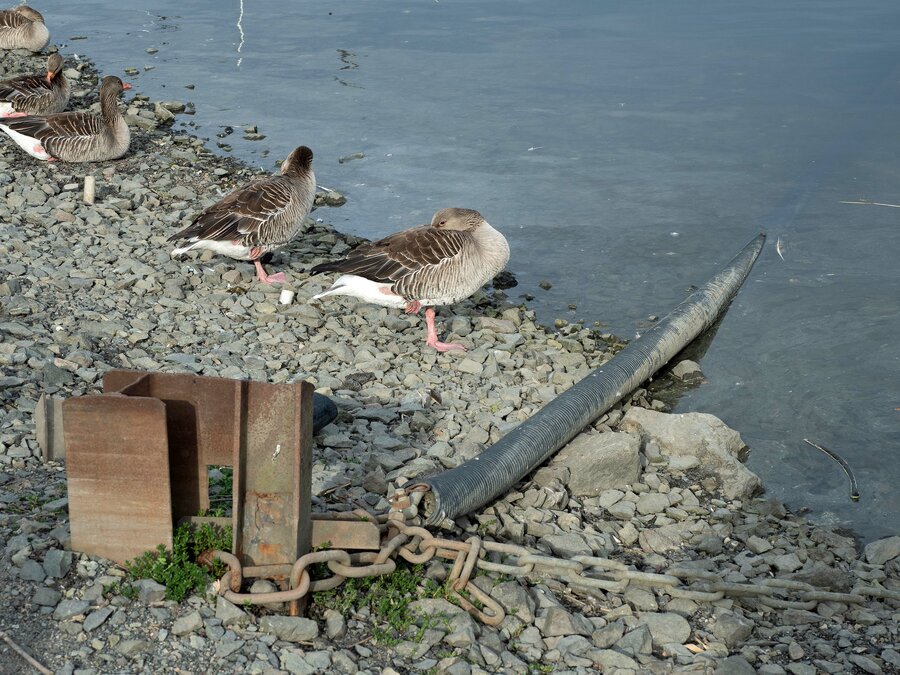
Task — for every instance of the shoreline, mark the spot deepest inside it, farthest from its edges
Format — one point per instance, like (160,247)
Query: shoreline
(87,288)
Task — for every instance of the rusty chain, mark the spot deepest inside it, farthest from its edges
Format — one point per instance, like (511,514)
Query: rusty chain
(417,545)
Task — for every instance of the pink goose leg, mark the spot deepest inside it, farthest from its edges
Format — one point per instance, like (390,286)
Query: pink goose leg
(278,278)
(432,340)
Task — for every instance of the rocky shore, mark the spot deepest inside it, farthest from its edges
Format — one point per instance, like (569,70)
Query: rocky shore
(89,287)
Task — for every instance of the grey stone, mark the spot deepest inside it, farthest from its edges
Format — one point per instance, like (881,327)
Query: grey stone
(133,647)
(335,625)
(865,663)
(716,446)
(758,544)
(226,647)
(57,563)
(230,614)
(515,600)
(599,462)
(555,621)
(879,552)
(32,571)
(688,371)
(567,545)
(622,510)
(787,563)
(266,586)
(69,608)
(149,591)
(290,628)
(189,623)
(641,598)
(608,635)
(666,628)
(434,607)
(732,629)
(652,502)
(97,618)
(734,665)
(891,656)
(609,660)
(637,642)
(46,597)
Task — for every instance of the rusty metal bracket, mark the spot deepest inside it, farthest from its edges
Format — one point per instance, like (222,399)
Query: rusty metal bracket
(138,457)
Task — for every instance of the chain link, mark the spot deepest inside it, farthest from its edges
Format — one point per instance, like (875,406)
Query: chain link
(417,545)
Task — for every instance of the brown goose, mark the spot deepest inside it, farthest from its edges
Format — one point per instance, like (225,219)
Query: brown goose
(257,218)
(36,94)
(23,28)
(75,136)
(437,264)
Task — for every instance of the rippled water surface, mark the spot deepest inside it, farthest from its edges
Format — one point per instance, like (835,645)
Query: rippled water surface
(627,150)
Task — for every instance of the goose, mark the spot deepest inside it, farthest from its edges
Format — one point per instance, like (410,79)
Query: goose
(23,28)
(258,218)
(36,94)
(75,136)
(437,264)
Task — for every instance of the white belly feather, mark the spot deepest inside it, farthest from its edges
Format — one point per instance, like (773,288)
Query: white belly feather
(229,248)
(30,145)
(364,289)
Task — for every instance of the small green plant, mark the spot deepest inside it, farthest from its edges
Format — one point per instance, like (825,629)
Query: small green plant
(177,569)
(387,598)
(118,588)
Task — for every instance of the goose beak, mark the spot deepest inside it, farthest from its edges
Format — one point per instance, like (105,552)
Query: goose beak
(125,85)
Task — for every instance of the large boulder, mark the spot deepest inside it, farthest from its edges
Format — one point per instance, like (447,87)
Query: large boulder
(706,437)
(600,461)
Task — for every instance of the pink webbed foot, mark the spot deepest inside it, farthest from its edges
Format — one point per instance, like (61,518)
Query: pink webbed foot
(432,340)
(277,278)
(413,306)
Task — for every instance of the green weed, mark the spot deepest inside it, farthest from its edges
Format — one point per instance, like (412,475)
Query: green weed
(177,569)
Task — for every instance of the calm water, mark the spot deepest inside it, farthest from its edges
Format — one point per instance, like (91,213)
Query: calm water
(627,150)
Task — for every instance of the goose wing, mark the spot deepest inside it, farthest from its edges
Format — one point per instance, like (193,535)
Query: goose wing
(23,87)
(244,213)
(401,255)
(75,131)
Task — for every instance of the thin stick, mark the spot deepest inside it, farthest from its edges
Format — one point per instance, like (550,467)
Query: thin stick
(895,206)
(854,490)
(25,655)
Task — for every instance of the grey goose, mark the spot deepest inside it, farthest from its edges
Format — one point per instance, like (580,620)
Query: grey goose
(258,218)
(75,136)
(437,264)
(36,94)
(23,28)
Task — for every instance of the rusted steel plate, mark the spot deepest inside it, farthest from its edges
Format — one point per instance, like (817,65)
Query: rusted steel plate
(345,534)
(272,482)
(48,428)
(201,427)
(117,461)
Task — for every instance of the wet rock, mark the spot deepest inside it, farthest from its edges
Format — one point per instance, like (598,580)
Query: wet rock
(700,435)
(879,552)
(688,371)
(599,462)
